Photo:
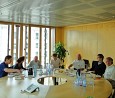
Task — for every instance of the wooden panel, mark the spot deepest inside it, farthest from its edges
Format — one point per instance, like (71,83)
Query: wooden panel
(21,40)
(106,39)
(89,40)
(59,34)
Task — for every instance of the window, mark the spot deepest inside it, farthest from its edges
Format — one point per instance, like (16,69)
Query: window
(4,41)
(25,43)
(40,42)
(35,42)
(36,45)
(37,36)
(16,49)
(52,40)
(36,53)
(45,46)
(14,55)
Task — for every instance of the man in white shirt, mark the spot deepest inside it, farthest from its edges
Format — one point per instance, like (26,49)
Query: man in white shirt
(56,62)
(35,62)
(110,71)
(78,63)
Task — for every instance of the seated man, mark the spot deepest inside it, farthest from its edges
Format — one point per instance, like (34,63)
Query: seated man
(78,63)
(35,62)
(56,62)
(4,69)
(110,71)
(98,66)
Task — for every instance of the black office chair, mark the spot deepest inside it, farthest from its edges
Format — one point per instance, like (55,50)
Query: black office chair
(113,86)
(113,96)
(86,63)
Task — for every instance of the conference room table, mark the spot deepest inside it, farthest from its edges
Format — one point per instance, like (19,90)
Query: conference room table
(10,87)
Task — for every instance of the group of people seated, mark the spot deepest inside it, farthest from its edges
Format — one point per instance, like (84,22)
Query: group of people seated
(106,70)
(98,67)
(18,67)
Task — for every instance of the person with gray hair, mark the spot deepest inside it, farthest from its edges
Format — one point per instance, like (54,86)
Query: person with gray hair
(110,70)
(110,73)
(35,62)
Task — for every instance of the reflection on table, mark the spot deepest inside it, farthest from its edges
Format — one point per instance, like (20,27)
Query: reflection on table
(51,80)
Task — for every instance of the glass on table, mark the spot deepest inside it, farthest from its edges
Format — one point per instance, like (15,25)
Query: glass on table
(40,71)
(90,80)
(25,73)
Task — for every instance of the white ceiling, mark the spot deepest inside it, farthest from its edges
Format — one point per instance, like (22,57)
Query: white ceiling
(57,12)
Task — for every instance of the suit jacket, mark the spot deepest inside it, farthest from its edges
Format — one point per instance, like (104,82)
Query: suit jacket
(99,69)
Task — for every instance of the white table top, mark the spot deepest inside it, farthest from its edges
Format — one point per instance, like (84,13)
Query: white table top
(11,88)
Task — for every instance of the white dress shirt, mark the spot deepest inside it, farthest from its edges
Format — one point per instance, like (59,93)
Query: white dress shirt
(110,72)
(56,63)
(78,64)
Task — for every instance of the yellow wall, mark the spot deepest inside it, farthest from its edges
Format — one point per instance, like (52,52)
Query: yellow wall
(89,40)
(59,34)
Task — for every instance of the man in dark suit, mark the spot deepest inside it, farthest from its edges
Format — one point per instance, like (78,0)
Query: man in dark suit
(98,66)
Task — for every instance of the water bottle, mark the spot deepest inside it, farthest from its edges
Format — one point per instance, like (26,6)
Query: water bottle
(48,69)
(84,80)
(40,72)
(78,79)
(35,71)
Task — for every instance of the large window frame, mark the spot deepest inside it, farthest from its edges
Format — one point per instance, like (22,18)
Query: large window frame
(5,30)
(20,48)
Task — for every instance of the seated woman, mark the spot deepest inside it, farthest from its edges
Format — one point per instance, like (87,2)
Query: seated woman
(19,62)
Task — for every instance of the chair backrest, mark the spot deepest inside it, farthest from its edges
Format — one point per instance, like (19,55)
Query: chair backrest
(87,64)
(93,62)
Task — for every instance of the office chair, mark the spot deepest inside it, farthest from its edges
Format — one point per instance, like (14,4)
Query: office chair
(86,63)
(113,86)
